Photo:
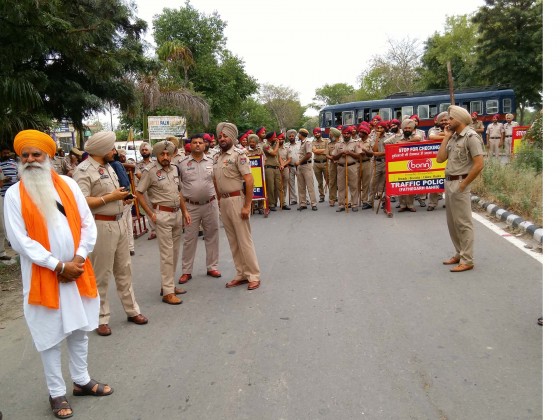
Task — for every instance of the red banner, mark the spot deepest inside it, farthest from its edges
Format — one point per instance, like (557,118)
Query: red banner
(516,136)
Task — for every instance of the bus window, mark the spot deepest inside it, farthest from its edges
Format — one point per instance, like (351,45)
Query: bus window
(433,111)
(407,110)
(443,107)
(367,117)
(360,116)
(492,106)
(385,113)
(476,106)
(507,106)
(398,114)
(337,118)
(347,117)
(423,112)
(328,119)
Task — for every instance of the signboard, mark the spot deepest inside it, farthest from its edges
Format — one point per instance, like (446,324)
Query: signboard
(257,171)
(412,168)
(161,127)
(516,136)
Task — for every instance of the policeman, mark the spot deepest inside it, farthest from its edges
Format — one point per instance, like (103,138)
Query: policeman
(437,133)
(272,170)
(495,136)
(462,148)
(319,149)
(141,167)
(162,182)
(406,201)
(304,171)
(366,167)
(508,133)
(293,151)
(197,189)
(283,157)
(476,124)
(350,152)
(378,182)
(232,169)
(99,184)
(334,137)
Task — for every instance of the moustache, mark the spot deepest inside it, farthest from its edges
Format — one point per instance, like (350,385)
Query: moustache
(32,165)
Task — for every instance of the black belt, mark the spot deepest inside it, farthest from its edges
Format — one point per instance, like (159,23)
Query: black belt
(270,167)
(495,137)
(291,166)
(508,136)
(344,164)
(107,218)
(379,159)
(319,161)
(305,163)
(455,177)
(197,203)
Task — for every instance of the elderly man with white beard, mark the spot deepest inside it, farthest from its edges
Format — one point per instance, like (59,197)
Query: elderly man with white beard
(48,222)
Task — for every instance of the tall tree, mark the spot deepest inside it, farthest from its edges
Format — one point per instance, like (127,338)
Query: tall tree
(336,93)
(457,45)
(65,59)
(284,104)
(511,47)
(393,72)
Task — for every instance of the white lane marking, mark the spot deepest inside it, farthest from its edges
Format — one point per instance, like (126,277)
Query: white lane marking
(507,236)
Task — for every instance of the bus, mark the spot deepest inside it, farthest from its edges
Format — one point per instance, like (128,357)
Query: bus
(427,105)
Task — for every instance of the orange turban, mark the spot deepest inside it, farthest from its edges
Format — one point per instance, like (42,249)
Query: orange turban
(34,138)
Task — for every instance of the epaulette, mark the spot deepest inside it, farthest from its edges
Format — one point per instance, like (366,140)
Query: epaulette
(182,159)
(149,166)
(240,151)
(84,165)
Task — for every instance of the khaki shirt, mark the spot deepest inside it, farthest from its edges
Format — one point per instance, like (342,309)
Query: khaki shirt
(393,138)
(381,146)
(420,133)
(197,179)
(508,128)
(366,145)
(477,125)
(331,147)
(293,151)
(461,148)
(322,145)
(229,168)
(144,166)
(283,152)
(494,131)
(162,185)
(351,146)
(304,148)
(96,180)
(271,160)
(436,131)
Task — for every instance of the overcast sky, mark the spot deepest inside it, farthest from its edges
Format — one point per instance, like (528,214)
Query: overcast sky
(304,44)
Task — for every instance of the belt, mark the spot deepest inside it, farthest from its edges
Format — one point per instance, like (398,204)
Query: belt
(455,177)
(270,167)
(231,194)
(495,137)
(379,159)
(305,163)
(197,203)
(344,164)
(291,166)
(107,218)
(165,208)
(319,161)
(508,136)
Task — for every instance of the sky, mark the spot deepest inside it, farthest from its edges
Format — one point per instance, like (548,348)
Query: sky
(305,44)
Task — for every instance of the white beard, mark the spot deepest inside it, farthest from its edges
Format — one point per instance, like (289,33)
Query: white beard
(38,183)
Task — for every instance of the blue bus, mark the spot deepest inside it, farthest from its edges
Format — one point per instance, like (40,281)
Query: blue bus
(427,105)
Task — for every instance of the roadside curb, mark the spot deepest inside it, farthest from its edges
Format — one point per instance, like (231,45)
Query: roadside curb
(511,219)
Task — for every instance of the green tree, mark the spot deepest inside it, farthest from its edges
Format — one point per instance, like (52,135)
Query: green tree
(396,71)
(511,47)
(457,45)
(65,59)
(336,93)
(283,102)
(253,114)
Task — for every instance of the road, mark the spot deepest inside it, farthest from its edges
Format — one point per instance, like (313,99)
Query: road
(356,318)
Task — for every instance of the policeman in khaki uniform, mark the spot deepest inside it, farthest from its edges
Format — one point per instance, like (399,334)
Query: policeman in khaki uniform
(347,154)
(304,172)
(197,188)
(378,181)
(284,158)
(272,170)
(162,183)
(99,184)
(463,149)
(495,136)
(366,166)
(508,133)
(232,168)
(319,149)
(334,137)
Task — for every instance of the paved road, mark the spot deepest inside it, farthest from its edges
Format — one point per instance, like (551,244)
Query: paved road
(356,318)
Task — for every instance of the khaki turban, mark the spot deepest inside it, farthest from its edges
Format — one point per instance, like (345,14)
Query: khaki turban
(146,145)
(441,116)
(460,114)
(334,132)
(292,131)
(229,129)
(173,140)
(509,115)
(100,143)
(303,131)
(163,145)
(253,137)
(34,138)
(76,151)
(408,123)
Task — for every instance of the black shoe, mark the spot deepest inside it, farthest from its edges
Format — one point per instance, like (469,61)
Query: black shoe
(422,203)
(322,200)
(293,203)
(354,208)
(314,208)
(366,206)
(393,199)
(300,208)
(340,209)
(285,208)
(273,209)
(131,253)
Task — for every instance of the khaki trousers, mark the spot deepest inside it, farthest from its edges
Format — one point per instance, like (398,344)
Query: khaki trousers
(206,215)
(352,184)
(433,199)
(240,240)
(293,195)
(406,201)
(305,183)
(320,171)
(378,177)
(494,147)
(333,188)
(127,215)
(366,177)
(111,256)
(272,179)
(168,230)
(459,220)
(285,185)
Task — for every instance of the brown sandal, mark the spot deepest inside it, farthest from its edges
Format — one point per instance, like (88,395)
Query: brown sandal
(254,285)
(87,389)
(235,283)
(58,404)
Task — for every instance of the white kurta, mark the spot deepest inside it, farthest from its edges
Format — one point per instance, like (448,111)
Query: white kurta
(50,326)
